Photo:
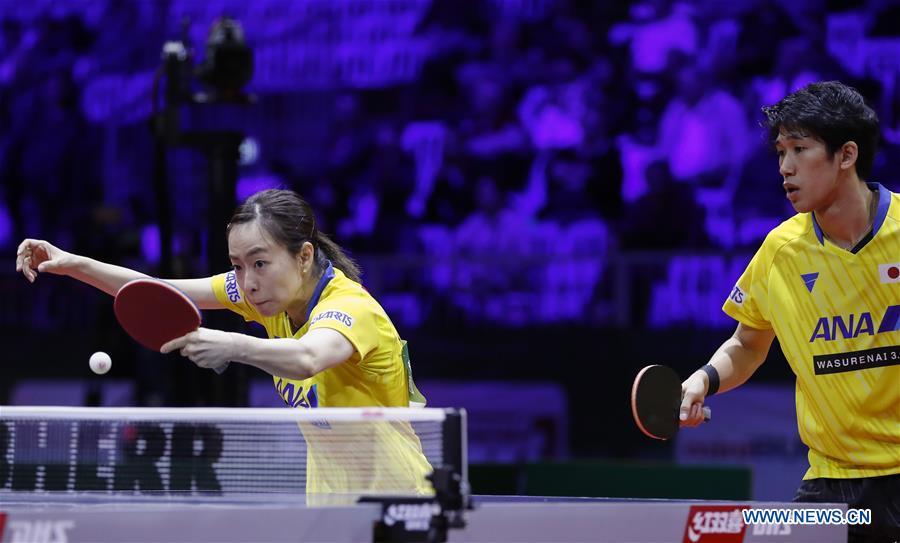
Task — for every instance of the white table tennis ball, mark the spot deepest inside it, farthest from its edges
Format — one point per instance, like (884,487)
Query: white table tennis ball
(100,362)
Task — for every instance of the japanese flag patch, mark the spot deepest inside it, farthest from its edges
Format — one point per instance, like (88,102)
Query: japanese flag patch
(889,273)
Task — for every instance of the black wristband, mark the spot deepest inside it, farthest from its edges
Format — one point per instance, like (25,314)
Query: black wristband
(713,375)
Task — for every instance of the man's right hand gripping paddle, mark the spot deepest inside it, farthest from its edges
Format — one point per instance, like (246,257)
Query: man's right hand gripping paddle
(656,402)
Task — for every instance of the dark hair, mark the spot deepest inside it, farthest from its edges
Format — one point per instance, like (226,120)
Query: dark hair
(831,112)
(289,219)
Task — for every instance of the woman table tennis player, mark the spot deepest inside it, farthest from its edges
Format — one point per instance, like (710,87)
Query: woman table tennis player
(330,344)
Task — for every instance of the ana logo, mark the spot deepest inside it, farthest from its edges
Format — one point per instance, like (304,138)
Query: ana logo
(231,288)
(293,395)
(853,326)
(809,279)
(40,531)
(339,316)
(715,523)
(889,273)
(737,295)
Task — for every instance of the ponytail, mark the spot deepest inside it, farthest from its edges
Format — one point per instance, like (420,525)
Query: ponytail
(339,259)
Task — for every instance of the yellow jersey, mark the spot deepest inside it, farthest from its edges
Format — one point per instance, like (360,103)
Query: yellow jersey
(836,314)
(378,457)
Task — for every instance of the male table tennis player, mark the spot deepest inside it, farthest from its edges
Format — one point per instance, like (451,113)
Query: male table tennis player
(826,282)
(330,343)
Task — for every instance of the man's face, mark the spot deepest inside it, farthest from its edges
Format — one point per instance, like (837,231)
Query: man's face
(267,273)
(810,174)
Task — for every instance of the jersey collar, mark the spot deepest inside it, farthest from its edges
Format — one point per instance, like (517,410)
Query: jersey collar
(327,276)
(884,201)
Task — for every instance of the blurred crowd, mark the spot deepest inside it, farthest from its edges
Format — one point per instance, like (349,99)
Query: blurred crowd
(539,138)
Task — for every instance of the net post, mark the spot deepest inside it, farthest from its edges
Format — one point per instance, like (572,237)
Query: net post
(451,480)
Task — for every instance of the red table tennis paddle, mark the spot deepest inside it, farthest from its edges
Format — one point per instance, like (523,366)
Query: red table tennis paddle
(154,312)
(656,402)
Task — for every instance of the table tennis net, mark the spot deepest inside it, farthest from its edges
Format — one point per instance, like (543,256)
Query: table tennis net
(319,456)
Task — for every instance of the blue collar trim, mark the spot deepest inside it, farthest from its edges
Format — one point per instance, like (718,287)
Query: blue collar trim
(327,276)
(884,201)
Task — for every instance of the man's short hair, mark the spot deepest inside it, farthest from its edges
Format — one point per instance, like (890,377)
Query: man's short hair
(831,112)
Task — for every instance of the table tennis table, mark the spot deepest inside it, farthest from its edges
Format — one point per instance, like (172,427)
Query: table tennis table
(491,518)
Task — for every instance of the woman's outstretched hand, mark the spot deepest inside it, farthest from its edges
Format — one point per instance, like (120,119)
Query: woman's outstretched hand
(36,256)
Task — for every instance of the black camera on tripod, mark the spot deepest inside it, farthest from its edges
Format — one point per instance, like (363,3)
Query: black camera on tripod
(223,73)
(219,79)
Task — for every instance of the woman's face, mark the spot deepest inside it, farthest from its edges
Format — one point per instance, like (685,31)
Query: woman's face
(271,277)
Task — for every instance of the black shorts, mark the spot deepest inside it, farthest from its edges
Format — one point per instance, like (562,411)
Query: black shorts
(880,494)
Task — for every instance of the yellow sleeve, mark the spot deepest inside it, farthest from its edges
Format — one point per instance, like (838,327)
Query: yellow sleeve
(230,295)
(352,316)
(748,302)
